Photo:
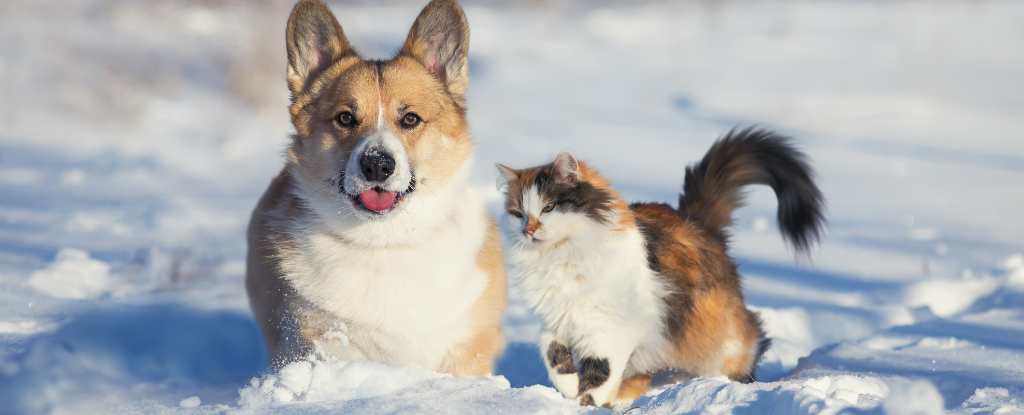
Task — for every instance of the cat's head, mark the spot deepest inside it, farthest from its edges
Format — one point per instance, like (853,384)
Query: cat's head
(548,205)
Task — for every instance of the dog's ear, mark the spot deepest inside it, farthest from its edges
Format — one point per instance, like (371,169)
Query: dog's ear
(567,168)
(315,41)
(439,39)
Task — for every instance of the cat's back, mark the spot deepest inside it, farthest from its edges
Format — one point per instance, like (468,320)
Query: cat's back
(684,251)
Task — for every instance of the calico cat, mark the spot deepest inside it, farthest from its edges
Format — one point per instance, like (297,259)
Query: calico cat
(627,293)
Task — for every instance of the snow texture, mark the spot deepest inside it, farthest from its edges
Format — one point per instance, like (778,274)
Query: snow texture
(136,136)
(73,275)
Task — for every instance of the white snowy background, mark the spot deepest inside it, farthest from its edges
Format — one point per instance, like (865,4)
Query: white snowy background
(136,136)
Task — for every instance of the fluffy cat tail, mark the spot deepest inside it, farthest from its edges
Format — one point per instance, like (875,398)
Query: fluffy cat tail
(713,188)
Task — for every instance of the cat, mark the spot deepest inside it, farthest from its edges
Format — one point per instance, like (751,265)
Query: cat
(631,292)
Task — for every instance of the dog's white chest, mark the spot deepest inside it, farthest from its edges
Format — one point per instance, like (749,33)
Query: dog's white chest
(398,305)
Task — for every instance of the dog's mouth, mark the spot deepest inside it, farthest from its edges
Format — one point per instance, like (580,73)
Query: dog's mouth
(378,200)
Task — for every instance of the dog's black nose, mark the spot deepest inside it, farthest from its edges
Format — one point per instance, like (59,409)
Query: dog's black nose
(377,167)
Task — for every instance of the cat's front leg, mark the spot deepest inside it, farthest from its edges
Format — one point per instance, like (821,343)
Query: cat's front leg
(558,360)
(601,372)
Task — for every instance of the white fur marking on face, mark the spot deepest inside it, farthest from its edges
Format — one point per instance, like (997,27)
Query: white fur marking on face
(532,203)
(380,104)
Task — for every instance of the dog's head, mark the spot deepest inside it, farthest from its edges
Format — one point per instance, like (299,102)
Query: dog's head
(380,146)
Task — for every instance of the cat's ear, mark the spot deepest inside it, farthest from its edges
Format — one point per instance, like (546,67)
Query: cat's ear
(439,39)
(567,168)
(506,177)
(315,41)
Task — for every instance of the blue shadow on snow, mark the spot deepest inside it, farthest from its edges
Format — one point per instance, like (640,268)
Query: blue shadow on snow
(521,364)
(124,346)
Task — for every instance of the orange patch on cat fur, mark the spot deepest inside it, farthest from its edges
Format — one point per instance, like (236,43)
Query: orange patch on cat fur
(633,387)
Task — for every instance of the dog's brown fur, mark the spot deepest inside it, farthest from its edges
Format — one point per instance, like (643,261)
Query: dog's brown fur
(476,355)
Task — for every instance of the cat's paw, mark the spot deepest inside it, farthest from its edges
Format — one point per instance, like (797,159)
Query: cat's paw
(588,400)
(568,384)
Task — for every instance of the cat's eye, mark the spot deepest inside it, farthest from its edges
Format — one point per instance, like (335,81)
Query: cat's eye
(549,207)
(410,120)
(516,214)
(345,119)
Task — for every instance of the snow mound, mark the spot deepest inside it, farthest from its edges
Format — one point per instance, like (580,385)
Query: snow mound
(317,379)
(919,397)
(995,400)
(73,275)
(948,296)
(190,402)
(318,384)
(822,395)
(23,327)
(1014,268)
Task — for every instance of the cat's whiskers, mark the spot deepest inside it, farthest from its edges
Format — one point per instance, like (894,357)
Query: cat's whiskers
(521,244)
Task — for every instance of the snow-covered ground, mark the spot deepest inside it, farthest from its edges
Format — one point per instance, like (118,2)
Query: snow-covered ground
(135,137)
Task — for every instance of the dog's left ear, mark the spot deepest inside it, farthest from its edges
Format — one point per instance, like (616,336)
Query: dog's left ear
(439,39)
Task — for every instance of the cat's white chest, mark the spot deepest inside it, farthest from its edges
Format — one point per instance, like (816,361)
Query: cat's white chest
(605,287)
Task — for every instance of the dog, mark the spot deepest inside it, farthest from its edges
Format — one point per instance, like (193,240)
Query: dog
(370,244)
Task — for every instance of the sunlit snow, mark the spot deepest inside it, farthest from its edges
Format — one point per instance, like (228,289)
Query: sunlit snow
(136,137)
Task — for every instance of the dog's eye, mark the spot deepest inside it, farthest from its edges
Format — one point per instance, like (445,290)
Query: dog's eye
(516,214)
(346,119)
(549,207)
(410,120)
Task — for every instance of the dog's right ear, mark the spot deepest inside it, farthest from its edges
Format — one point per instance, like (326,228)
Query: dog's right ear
(315,41)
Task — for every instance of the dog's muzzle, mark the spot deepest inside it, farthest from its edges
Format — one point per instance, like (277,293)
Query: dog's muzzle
(378,175)
(377,166)
(377,181)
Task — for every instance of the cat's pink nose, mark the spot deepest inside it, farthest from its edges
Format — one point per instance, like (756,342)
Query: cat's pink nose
(529,230)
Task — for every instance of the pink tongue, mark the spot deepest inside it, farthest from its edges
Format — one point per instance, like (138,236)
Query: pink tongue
(377,201)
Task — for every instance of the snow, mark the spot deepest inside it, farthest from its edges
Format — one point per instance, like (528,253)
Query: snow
(73,275)
(190,402)
(825,395)
(366,387)
(918,398)
(135,138)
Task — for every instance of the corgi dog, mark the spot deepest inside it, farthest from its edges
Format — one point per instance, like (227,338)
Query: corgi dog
(370,244)
(633,293)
